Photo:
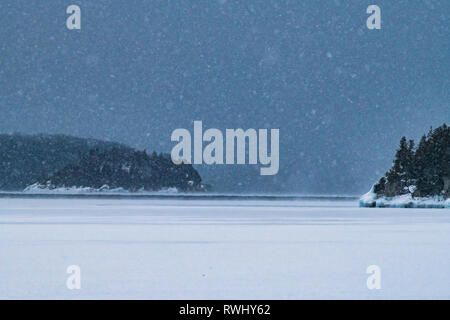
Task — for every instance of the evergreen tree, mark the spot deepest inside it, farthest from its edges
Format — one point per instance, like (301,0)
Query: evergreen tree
(400,177)
(128,169)
(427,168)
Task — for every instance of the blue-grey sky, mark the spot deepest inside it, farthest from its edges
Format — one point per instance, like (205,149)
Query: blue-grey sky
(341,95)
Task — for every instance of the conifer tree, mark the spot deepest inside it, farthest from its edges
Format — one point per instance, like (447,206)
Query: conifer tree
(427,168)
(401,175)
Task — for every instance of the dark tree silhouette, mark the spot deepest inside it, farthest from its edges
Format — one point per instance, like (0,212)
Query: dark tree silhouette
(424,171)
(62,161)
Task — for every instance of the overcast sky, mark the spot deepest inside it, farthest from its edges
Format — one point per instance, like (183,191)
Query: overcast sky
(341,95)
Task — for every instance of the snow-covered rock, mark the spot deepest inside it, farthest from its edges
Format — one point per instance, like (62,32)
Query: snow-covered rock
(372,200)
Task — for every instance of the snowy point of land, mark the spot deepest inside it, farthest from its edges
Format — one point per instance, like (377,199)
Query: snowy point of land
(38,188)
(372,200)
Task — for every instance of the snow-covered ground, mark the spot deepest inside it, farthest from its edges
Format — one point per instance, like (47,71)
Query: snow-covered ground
(211,249)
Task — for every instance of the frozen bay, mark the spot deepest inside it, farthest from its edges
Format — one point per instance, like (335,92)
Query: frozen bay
(220,249)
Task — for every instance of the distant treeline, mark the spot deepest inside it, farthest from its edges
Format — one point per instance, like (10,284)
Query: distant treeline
(65,161)
(422,171)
